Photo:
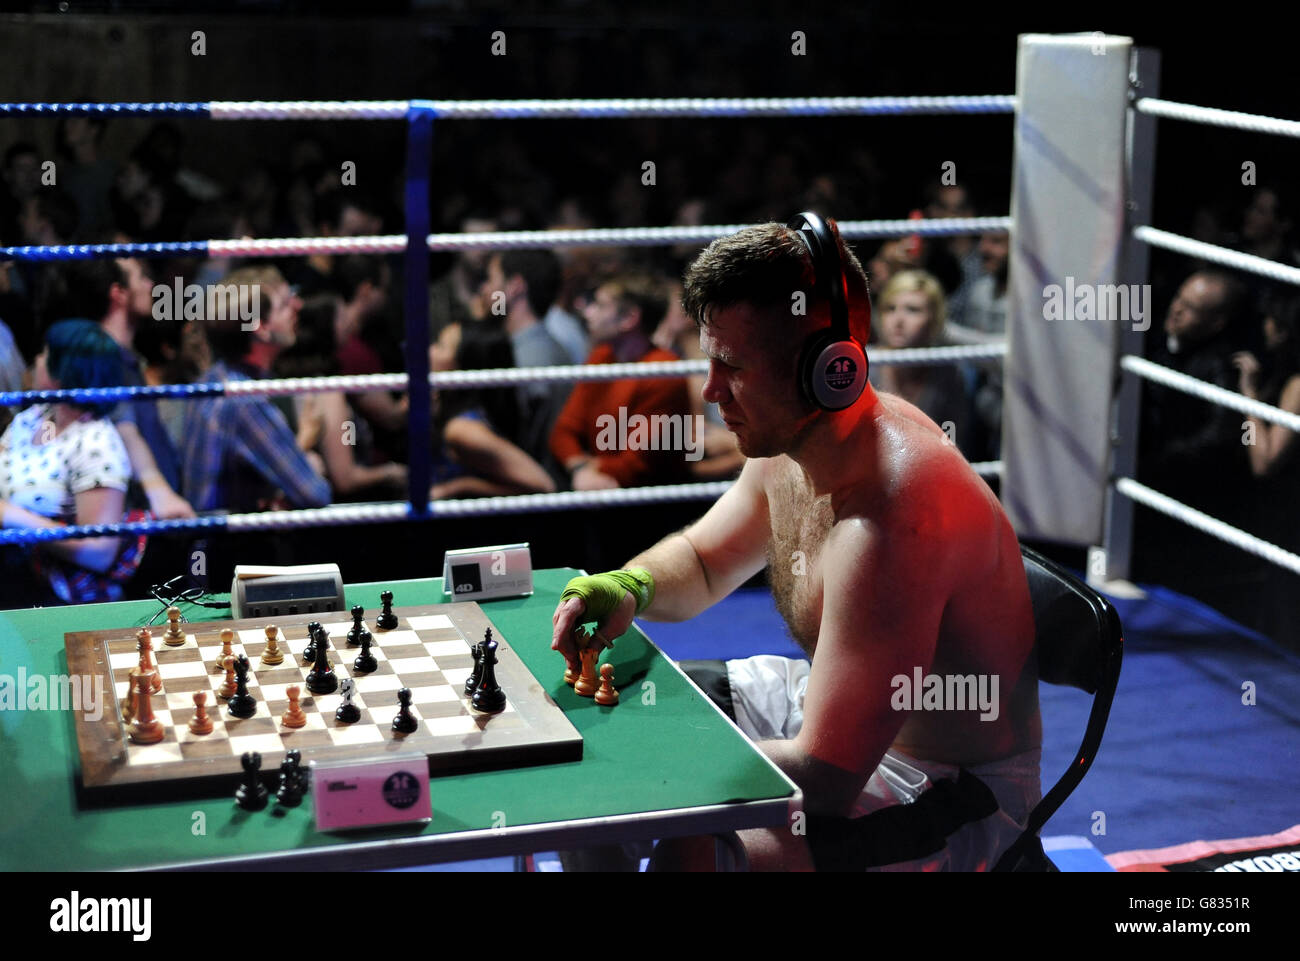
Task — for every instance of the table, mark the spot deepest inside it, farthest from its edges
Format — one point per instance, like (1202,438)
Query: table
(665,762)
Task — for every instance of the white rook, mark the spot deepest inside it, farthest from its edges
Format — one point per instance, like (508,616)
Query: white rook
(1068,212)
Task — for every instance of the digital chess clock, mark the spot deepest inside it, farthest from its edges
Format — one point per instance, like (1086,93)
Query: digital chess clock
(272,591)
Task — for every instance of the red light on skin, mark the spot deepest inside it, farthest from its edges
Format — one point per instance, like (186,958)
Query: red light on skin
(913,242)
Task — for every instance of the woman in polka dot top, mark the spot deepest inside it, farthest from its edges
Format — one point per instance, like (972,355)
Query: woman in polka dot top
(64,463)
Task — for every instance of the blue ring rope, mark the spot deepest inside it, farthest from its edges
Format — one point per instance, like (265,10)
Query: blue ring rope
(91,251)
(165,109)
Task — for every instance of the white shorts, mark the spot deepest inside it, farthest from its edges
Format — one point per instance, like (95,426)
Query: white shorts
(767,694)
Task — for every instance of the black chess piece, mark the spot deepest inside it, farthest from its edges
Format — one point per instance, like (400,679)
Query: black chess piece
(290,791)
(488,696)
(387,620)
(251,794)
(358,615)
(241,703)
(309,654)
(471,682)
(321,679)
(405,722)
(300,773)
(365,662)
(348,713)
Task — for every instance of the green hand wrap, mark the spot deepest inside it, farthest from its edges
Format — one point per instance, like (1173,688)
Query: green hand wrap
(602,592)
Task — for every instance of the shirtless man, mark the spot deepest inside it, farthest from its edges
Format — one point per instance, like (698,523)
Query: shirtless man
(907,561)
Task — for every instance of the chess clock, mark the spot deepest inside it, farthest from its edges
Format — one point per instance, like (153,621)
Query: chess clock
(272,591)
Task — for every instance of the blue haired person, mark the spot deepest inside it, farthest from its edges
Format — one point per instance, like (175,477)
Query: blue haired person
(63,463)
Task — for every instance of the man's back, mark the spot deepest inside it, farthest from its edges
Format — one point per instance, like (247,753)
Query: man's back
(986,629)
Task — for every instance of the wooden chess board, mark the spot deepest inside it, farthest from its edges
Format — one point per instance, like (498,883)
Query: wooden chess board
(428,652)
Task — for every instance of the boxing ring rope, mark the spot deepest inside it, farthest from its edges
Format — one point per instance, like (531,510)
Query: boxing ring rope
(497,240)
(418,241)
(1218,118)
(533,109)
(1142,369)
(1200,250)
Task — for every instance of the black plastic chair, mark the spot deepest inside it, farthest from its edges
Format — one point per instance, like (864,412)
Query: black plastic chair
(1079,642)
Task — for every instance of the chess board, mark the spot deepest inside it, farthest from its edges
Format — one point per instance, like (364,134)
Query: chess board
(428,652)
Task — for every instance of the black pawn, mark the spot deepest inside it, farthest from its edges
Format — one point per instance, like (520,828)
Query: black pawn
(365,662)
(321,679)
(290,791)
(354,635)
(488,696)
(471,682)
(251,794)
(405,722)
(299,772)
(309,654)
(241,703)
(387,620)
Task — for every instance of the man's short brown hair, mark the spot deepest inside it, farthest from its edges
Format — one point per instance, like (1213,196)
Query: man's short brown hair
(763,266)
(644,291)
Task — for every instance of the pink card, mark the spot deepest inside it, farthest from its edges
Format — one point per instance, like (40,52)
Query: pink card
(354,795)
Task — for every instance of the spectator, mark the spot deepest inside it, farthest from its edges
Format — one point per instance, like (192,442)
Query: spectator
(1266,228)
(342,212)
(912,314)
(951,200)
(327,425)
(678,334)
(361,336)
(986,309)
(239,453)
(118,295)
(1275,380)
(621,318)
(84,173)
(63,463)
(521,286)
(22,181)
(470,458)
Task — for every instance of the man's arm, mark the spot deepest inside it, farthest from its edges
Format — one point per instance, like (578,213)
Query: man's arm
(262,438)
(695,568)
(165,503)
(883,601)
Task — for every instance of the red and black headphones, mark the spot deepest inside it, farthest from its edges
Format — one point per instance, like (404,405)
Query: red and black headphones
(832,365)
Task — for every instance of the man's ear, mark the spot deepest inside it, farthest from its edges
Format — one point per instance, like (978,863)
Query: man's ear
(117,294)
(629,320)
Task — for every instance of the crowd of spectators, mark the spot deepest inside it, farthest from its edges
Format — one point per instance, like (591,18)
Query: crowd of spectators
(341,314)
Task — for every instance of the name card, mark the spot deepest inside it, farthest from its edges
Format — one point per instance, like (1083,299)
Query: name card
(354,795)
(477,573)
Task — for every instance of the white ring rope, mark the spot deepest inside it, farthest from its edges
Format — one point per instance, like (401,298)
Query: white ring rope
(1218,255)
(596,237)
(1218,118)
(1207,524)
(489,506)
(308,109)
(574,373)
(1210,392)
(667,107)
(702,235)
(285,246)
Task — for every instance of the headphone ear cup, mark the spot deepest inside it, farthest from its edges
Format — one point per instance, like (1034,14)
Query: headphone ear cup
(832,372)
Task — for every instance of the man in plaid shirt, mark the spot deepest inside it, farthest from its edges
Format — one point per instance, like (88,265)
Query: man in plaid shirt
(239,452)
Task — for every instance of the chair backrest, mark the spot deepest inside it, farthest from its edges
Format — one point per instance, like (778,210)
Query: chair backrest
(1079,642)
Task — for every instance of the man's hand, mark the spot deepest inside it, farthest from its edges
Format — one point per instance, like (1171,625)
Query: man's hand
(588,478)
(167,505)
(568,619)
